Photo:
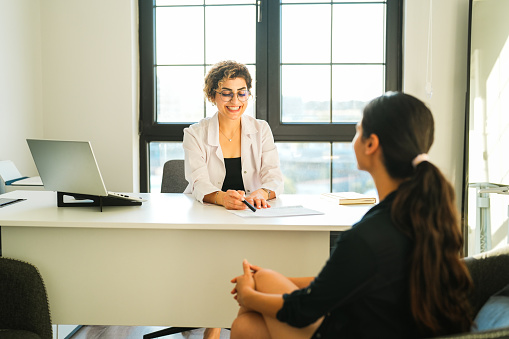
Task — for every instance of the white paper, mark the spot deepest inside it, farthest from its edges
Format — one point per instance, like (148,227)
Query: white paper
(272,212)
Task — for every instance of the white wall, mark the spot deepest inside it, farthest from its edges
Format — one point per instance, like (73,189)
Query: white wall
(87,85)
(90,77)
(449,76)
(20,80)
(70,71)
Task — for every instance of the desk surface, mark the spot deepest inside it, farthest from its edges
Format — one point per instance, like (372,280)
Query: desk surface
(166,263)
(175,211)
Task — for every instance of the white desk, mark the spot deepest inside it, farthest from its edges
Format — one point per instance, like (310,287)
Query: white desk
(166,263)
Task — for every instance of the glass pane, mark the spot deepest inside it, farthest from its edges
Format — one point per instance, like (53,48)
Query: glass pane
(179,35)
(345,175)
(231,34)
(305,33)
(300,1)
(179,93)
(305,166)
(231,2)
(160,152)
(177,2)
(201,2)
(321,1)
(358,33)
(353,86)
(251,103)
(305,93)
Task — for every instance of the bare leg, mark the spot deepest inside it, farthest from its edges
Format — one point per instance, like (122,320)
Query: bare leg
(248,324)
(212,333)
(269,281)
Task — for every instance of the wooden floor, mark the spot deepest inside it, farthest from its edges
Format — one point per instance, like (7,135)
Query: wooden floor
(135,332)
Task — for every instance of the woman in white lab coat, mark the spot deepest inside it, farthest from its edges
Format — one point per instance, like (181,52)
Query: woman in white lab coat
(231,157)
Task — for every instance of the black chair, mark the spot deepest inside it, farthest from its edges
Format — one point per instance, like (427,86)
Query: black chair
(490,273)
(173,181)
(24,308)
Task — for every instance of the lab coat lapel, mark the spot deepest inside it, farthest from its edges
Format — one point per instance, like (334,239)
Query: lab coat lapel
(246,141)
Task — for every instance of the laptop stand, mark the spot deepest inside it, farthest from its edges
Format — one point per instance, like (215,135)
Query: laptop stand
(93,200)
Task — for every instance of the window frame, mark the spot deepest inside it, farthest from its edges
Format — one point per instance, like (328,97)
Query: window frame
(268,100)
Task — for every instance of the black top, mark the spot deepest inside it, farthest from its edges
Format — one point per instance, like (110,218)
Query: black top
(233,179)
(363,288)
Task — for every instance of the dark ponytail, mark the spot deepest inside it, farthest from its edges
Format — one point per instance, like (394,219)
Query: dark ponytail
(424,209)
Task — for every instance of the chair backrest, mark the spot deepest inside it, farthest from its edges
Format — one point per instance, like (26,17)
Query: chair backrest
(23,301)
(174,180)
(490,273)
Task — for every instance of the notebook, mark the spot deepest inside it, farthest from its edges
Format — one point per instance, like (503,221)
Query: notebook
(350,198)
(70,167)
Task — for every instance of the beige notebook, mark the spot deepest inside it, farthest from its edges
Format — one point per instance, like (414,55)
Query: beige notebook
(350,198)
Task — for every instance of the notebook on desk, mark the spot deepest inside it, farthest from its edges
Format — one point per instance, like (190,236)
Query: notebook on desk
(70,167)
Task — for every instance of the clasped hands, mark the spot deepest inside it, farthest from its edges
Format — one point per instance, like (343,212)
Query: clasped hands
(232,199)
(244,283)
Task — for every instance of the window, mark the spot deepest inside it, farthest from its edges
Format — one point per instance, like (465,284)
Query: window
(315,64)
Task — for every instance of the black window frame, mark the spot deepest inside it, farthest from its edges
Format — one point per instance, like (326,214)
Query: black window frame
(268,105)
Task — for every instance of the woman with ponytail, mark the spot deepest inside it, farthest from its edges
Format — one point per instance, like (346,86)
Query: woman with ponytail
(397,273)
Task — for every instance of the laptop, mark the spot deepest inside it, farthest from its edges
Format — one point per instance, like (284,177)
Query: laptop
(71,167)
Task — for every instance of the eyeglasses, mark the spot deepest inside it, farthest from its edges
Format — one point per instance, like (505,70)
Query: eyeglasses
(242,95)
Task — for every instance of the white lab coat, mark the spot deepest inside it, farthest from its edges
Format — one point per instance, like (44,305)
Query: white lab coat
(204,161)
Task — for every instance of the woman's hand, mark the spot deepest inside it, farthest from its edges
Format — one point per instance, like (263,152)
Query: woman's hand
(232,200)
(244,283)
(258,199)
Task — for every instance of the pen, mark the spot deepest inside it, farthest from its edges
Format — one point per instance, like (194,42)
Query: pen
(249,205)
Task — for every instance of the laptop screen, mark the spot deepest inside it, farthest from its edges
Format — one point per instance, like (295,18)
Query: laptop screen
(67,166)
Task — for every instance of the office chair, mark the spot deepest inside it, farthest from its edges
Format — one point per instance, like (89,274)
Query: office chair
(173,181)
(24,308)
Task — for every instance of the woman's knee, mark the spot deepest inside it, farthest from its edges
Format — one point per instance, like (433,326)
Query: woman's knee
(249,325)
(269,281)
(265,277)
(238,327)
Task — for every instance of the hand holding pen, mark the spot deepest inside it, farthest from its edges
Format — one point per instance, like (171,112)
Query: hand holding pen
(236,200)
(232,200)
(249,205)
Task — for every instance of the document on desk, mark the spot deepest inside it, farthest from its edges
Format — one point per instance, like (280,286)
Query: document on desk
(272,212)
(6,202)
